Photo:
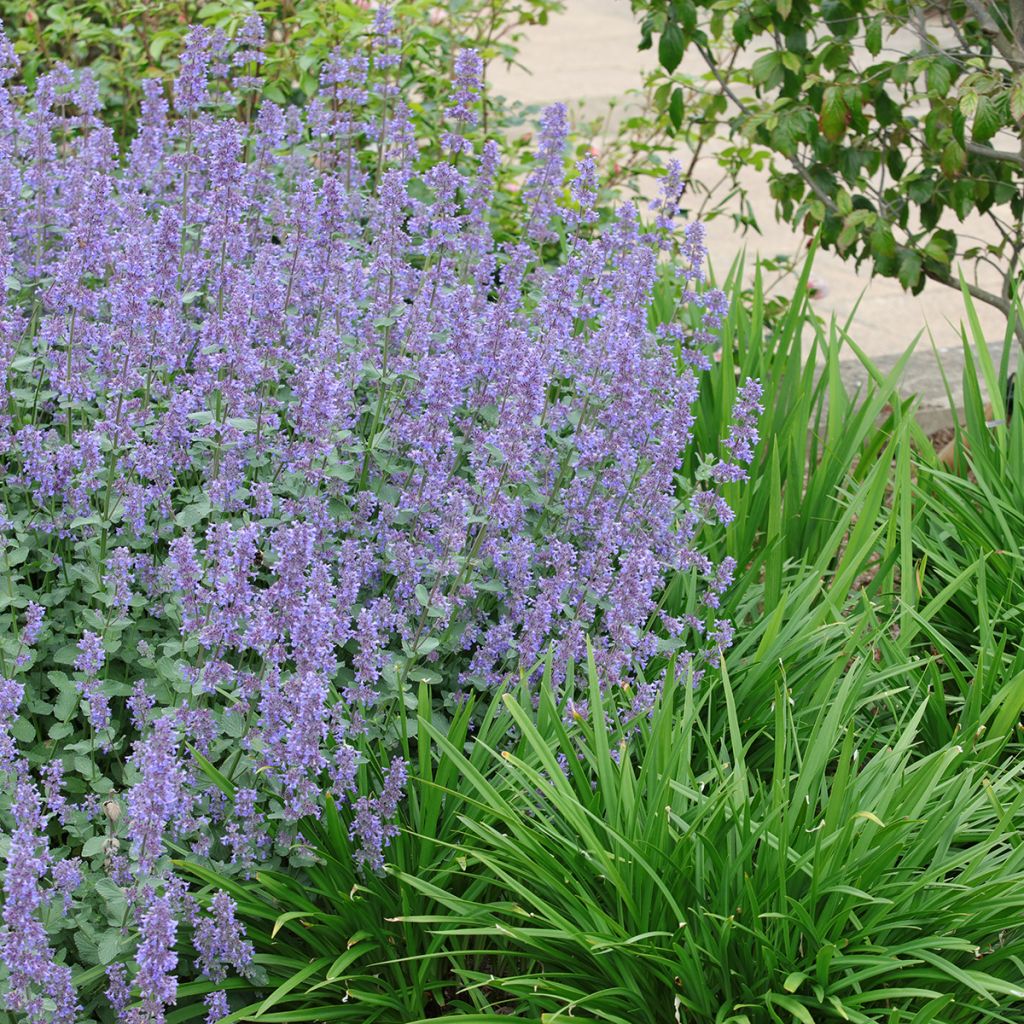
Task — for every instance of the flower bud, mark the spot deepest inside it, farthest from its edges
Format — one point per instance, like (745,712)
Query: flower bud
(112,809)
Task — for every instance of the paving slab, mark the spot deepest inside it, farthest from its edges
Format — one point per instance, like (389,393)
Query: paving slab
(926,377)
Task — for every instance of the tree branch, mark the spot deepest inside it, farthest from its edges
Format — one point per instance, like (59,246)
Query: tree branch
(1017,22)
(1003,42)
(797,165)
(996,154)
(989,298)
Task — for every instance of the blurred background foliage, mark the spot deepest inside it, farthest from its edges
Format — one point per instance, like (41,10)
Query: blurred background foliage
(124,41)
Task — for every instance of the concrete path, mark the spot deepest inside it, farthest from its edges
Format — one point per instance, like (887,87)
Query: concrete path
(587,58)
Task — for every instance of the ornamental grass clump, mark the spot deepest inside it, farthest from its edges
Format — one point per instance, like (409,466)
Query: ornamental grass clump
(285,435)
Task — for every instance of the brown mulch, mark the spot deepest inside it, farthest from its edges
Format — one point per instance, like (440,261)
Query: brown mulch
(940,438)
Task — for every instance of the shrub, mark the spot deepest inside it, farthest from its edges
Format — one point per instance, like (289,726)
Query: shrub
(882,121)
(286,434)
(124,46)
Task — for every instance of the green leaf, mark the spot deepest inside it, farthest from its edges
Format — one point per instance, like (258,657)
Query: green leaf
(93,847)
(66,703)
(910,269)
(191,515)
(670,47)
(109,947)
(987,119)
(794,981)
(794,1006)
(23,730)
(847,237)
(834,114)
(873,36)
(883,244)
(767,70)
(1017,99)
(954,159)
(938,78)
(675,108)
(938,248)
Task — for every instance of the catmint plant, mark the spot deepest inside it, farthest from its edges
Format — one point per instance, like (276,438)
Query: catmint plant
(286,435)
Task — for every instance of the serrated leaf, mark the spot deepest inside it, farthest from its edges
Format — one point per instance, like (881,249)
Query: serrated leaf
(93,847)
(938,78)
(193,514)
(675,109)
(954,159)
(969,103)
(1017,100)
(767,70)
(109,947)
(987,120)
(66,703)
(846,237)
(418,674)
(883,244)
(935,250)
(834,114)
(23,730)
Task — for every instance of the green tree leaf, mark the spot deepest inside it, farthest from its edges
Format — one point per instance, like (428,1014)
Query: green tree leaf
(987,119)
(883,245)
(954,159)
(910,269)
(675,109)
(767,70)
(873,36)
(834,114)
(1017,100)
(969,103)
(670,47)
(938,78)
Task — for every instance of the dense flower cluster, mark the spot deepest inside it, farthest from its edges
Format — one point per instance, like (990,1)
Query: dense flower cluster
(286,432)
